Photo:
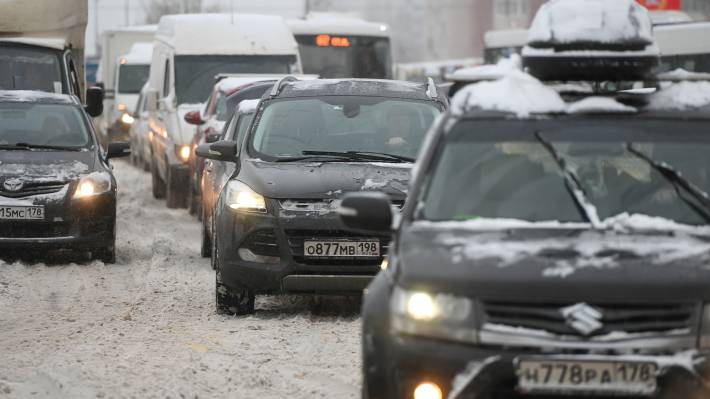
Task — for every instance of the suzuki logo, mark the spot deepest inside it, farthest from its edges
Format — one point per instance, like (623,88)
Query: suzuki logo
(13,185)
(583,318)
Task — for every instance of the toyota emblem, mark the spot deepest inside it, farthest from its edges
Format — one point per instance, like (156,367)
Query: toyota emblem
(13,185)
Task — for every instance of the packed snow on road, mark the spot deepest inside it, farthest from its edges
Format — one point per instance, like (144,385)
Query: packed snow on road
(147,327)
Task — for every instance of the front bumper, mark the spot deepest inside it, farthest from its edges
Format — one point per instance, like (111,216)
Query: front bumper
(281,239)
(84,224)
(466,371)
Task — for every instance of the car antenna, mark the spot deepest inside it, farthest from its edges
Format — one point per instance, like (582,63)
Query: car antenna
(431,91)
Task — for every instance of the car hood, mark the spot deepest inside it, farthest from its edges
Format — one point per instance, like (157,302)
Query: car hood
(325,179)
(50,166)
(556,265)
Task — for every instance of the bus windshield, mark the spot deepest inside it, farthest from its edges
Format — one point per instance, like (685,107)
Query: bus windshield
(332,56)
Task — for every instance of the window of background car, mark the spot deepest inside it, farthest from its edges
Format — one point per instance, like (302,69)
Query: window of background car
(242,127)
(27,68)
(43,124)
(286,128)
(484,176)
(194,74)
(131,78)
(364,57)
(221,109)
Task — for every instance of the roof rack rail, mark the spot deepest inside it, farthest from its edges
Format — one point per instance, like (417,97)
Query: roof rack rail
(431,90)
(277,86)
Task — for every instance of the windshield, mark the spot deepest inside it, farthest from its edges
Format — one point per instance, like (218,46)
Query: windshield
(350,57)
(485,173)
(27,68)
(293,127)
(195,74)
(60,125)
(131,78)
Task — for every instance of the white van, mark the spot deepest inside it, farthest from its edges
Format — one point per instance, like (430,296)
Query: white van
(189,51)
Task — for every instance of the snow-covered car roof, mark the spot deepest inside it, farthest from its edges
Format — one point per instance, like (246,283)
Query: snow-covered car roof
(337,24)
(140,54)
(27,96)
(229,84)
(225,34)
(355,87)
(524,96)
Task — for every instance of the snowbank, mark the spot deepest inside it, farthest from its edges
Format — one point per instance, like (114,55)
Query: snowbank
(601,21)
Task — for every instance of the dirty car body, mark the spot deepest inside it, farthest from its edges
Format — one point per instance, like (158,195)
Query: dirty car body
(57,190)
(275,225)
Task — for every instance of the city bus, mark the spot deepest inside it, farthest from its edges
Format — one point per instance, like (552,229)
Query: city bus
(343,46)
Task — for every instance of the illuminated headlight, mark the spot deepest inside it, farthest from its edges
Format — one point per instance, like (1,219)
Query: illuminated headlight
(92,184)
(127,118)
(183,152)
(434,315)
(121,107)
(241,197)
(704,340)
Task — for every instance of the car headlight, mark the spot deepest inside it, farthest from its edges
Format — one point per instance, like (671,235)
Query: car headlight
(127,119)
(92,184)
(434,315)
(241,197)
(183,152)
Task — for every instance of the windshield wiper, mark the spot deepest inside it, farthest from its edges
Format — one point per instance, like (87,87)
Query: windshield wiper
(679,182)
(362,156)
(572,183)
(28,146)
(319,158)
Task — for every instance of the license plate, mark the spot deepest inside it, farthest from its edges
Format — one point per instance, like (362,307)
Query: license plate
(12,212)
(559,376)
(337,249)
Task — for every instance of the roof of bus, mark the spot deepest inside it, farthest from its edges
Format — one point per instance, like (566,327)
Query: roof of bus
(337,24)
(225,34)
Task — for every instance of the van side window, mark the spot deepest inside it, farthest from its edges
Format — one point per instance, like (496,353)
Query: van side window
(166,79)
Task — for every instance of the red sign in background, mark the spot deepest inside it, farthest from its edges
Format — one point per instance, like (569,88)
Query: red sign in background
(662,4)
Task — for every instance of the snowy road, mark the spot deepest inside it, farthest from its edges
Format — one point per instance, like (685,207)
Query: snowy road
(146,326)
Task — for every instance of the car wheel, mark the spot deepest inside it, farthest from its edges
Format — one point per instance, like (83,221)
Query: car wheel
(238,301)
(206,248)
(192,201)
(175,196)
(158,183)
(106,255)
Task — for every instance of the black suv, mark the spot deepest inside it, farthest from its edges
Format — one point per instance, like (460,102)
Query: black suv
(311,142)
(57,190)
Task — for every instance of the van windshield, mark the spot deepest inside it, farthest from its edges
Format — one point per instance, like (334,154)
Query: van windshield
(508,170)
(30,68)
(131,78)
(195,74)
(31,124)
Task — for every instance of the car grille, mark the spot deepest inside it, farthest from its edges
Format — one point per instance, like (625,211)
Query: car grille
(262,242)
(615,317)
(34,230)
(320,205)
(31,189)
(296,239)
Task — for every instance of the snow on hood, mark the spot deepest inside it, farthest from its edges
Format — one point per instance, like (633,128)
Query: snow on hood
(504,67)
(601,21)
(58,171)
(248,106)
(681,96)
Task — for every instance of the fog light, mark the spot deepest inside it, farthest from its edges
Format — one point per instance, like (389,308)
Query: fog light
(428,390)
(249,256)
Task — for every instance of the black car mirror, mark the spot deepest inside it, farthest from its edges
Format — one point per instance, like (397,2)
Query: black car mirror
(94,101)
(220,151)
(212,138)
(370,212)
(118,149)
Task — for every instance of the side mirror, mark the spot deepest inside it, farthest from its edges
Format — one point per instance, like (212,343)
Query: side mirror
(118,149)
(367,212)
(151,100)
(219,151)
(194,118)
(100,85)
(212,138)
(94,101)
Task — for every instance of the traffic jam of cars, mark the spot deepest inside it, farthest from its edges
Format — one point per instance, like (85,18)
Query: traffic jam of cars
(534,227)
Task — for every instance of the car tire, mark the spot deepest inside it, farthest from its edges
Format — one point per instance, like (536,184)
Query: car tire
(175,196)
(146,165)
(192,201)
(106,255)
(158,183)
(206,247)
(231,301)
